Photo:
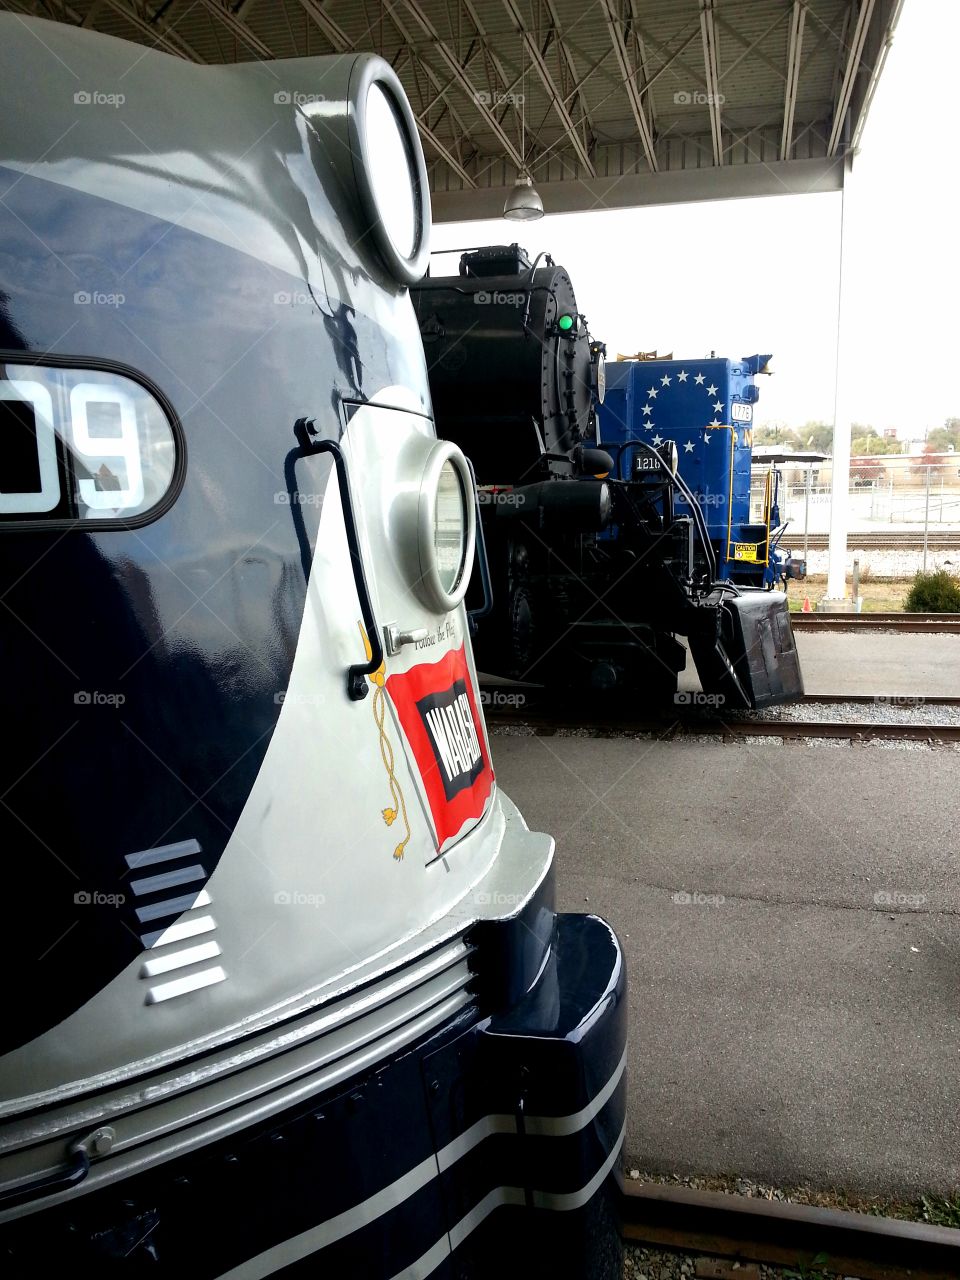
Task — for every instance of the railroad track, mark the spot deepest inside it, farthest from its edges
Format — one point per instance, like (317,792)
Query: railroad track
(877,541)
(546,714)
(931,623)
(849,731)
(771,1231)
(879,699)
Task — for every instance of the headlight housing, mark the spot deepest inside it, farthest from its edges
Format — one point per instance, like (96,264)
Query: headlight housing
(389,168)
(365,127)
(446,528)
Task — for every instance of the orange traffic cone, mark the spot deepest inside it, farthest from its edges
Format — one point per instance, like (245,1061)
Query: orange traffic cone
(807,607)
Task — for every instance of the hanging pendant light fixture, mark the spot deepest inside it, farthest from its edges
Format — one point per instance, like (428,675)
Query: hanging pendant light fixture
(523,203)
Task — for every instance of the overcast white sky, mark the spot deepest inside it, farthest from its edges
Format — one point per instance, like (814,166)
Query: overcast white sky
(761,275)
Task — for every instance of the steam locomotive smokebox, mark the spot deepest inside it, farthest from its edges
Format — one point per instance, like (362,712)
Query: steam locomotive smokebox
(751,660)
(513,370)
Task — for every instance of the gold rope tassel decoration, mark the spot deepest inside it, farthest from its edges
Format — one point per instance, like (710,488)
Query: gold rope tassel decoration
(378,680)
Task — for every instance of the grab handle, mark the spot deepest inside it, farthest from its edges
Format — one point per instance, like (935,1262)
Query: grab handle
(305,432)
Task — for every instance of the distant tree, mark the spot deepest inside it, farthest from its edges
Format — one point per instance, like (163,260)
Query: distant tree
(817,436)
(873,445)
(925,458)
(785,436)
(947,437)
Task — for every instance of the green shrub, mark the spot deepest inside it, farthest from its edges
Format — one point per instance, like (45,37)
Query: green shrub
(934,593)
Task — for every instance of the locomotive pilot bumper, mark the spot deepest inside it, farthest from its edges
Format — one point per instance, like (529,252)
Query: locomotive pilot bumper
(490,1142)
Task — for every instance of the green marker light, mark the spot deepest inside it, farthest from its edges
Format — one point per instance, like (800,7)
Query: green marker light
(565,323)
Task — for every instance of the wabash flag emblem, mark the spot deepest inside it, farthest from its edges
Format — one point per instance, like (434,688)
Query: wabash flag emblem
(449,721)
(436,707)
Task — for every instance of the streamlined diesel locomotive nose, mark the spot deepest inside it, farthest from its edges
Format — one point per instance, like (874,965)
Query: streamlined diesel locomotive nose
(289,968)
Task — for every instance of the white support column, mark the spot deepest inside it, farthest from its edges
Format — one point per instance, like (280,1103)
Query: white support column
(840,487)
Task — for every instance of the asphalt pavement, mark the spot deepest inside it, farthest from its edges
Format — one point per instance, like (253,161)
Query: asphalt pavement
(791,920)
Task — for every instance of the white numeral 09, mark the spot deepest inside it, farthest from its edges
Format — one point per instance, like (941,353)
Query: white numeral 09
(94,448)
(49,494)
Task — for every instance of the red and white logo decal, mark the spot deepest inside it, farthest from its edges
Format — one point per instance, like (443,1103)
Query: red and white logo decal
(436,707)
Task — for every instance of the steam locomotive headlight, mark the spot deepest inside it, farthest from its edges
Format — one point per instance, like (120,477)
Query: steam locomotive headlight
(670,455)
(447,528)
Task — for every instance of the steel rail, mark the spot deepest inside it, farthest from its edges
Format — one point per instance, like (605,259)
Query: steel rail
(875,540)
(779,1232)
(880,699)
(489,690)
(546,713)
(928,622)
(733,730)
(852,730)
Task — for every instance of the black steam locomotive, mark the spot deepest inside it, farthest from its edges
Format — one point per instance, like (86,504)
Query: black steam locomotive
(595,572)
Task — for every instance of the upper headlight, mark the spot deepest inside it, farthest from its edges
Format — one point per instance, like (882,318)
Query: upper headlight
(391,175)
(446,528)
(389,166)
(363,122)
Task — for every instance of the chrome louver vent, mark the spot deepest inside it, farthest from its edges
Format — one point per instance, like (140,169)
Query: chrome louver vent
(318,1049)
(166,894)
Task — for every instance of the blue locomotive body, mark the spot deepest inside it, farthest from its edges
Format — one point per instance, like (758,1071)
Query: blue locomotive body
(706,408)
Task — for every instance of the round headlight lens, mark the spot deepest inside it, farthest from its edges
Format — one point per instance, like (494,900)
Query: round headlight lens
(447,527)
(450,527)
(392,175)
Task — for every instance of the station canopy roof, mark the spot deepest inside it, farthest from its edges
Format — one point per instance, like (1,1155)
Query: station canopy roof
(605,103)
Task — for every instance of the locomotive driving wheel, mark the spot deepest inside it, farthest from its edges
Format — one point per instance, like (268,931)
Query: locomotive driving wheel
(520,641)
(506,643)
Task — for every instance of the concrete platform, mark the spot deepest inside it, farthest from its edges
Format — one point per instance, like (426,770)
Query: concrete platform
(786,1024)
(881,662)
